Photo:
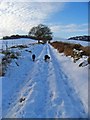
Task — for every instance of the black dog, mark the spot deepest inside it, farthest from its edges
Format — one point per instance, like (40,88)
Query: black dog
(46,57)
(33,57)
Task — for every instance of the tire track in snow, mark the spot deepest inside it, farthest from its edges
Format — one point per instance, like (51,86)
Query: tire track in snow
(34,91)
(12,99)
(15,94)
(64,99)
(47,92)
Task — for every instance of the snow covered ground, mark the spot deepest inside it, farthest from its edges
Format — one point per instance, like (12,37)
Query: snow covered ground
(13,42)
(83,43)
(54,89)
(25,41)
(0,98)
(1,56)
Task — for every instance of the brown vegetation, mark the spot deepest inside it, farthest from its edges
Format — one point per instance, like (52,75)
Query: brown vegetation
(74,50)
(6,60)
(86,50)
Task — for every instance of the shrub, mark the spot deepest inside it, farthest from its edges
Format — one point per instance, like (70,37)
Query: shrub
(13,56)
(7,59)
(77,46)
(6,52)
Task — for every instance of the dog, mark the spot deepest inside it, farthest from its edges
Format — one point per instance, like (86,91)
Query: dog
(22,99)
(46,58)
(33,57)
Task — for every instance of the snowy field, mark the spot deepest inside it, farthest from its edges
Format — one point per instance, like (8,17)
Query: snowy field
(83,43)
(54,89)
(13,42)
(26,41)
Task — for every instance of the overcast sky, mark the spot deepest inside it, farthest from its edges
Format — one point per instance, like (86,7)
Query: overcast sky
(65,19)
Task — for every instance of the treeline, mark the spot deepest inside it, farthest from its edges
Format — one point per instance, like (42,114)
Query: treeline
(83,38)
(17,37)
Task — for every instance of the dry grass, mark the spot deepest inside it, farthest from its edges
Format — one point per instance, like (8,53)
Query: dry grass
(86,50)
(13,56)
(68,50)
(6,60)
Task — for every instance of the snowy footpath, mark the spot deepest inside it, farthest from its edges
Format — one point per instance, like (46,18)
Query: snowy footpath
(41,89)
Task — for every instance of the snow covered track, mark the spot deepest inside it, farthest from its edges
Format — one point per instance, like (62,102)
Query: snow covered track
(67,101)
(43,91)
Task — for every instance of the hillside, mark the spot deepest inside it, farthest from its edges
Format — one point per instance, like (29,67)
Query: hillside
(83,43)
(81,38)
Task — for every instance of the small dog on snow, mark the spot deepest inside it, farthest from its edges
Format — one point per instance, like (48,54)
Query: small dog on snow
(46,58)
(33,57)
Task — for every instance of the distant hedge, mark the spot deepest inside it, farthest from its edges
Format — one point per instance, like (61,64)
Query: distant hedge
(82,38)
(17,37)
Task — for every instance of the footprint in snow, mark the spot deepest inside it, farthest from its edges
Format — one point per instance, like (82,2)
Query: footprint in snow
(58,101)
(50,74)
(27,92)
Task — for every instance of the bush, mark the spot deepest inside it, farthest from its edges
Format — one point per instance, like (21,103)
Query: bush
(77,46)
(13,56)
(6,52)
(7,59)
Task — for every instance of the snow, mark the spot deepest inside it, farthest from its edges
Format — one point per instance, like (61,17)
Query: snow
(0,97)
(24,41)
(83,43)
(13,42)
(1,56)
(54,89)
(78,76)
